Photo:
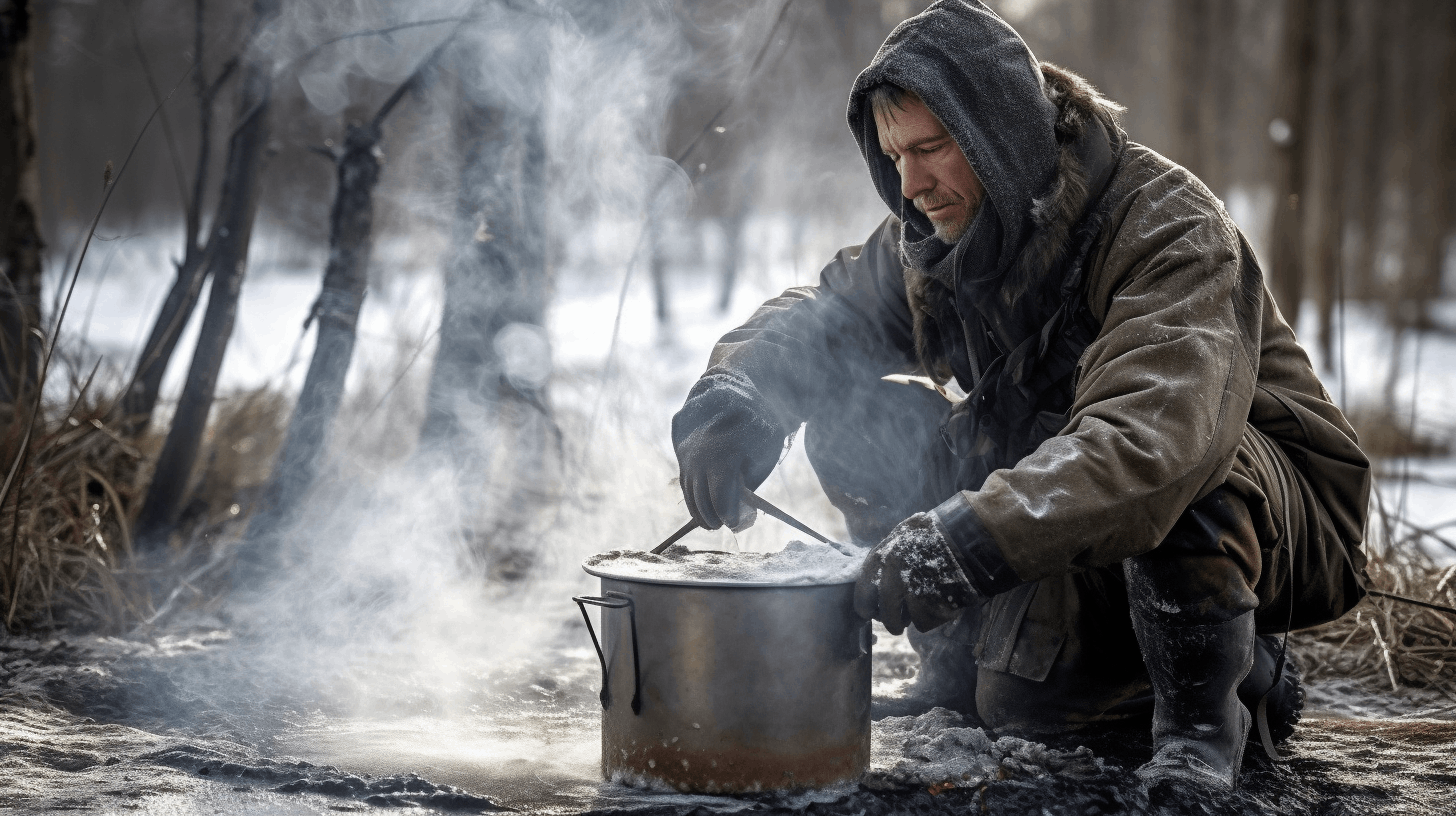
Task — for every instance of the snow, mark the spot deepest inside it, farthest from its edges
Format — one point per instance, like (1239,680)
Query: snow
(798,563)
(940,747)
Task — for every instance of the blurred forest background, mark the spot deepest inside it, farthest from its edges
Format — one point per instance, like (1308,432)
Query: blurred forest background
(508,180)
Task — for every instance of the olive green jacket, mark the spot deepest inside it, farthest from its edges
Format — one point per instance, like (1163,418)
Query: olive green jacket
(1190,350)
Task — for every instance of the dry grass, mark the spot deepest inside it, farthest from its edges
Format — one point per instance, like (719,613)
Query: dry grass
(242,441)
(66,558)
(66,554)
(1386,433)
(1387,643)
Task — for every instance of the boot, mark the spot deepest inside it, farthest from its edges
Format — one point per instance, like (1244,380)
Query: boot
(1285,694)
(1199,724)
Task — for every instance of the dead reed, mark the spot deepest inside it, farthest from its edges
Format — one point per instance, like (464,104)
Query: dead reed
(65,541)
(66,551)
(1387,432)
(1387,644)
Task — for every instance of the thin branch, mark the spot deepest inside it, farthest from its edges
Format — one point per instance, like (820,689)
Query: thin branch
(415,77)
(223,75)
(204,128)
(757,61)
(172,151)
(424,344)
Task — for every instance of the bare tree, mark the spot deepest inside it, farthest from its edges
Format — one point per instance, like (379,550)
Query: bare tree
(134,410)
(1193,44)
(336,311)
(231,233)
(1431,173)
(496,279)
(20,241)
(1288,130)
(1324,218)
(1367,117)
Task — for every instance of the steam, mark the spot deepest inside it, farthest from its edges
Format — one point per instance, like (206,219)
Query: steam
(399,585)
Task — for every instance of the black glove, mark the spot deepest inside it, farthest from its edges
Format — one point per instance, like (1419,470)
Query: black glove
(725,440)
(913,574)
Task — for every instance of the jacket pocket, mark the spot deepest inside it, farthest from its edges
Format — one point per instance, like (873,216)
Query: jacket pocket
(1024,630)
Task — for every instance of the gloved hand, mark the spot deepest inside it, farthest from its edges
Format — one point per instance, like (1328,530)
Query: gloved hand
(914,574)
(725,440)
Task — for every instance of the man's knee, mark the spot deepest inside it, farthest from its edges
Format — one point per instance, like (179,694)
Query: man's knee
(1205,570)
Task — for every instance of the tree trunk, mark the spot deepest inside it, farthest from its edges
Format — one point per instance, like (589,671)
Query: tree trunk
(1190,44)
(1289,132)
(486,405)
(133,412)
(497,278)
(231,233)
(1323,211)
(1444,178)
(20,242)
(337,312)
(346,279)
(1431,171)
(657,267)
(1368,121)
(732,256)
(1400,282)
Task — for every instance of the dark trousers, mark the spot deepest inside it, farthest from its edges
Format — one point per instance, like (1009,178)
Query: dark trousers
(1061,652)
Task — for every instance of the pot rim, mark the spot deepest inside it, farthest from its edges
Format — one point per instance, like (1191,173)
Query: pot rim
(602,573)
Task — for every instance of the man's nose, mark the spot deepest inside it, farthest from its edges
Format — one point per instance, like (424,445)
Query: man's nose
(914,180)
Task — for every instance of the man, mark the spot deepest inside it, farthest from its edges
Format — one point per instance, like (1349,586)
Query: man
(1146,480)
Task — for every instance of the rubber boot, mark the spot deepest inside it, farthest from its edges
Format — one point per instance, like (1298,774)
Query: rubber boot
(1199,724)
(1283,688)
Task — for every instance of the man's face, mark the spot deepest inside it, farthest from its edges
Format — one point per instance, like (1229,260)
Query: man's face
(934,174)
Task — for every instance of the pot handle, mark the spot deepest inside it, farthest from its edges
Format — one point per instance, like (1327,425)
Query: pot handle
(614,600)
(867,638)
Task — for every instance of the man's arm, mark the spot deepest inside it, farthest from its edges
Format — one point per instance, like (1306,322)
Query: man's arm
(786,364)
(808,343)
(1161,401)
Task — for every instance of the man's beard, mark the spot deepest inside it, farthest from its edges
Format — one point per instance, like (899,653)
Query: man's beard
(949,232)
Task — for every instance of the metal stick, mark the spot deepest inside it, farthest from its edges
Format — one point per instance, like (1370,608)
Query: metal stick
(758,503)
(673,539)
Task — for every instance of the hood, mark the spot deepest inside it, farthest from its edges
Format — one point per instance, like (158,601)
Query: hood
(978,77)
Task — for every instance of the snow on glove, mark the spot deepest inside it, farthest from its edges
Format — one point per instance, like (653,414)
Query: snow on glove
(913,574)
(725,440)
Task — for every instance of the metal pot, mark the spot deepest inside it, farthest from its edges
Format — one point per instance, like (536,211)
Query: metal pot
(731,687)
